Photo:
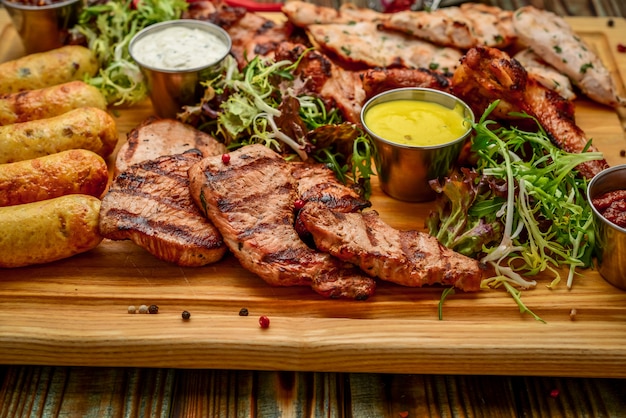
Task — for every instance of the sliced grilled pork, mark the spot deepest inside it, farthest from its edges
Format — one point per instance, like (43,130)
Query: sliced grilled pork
(150,204)
(409,258)
(250,199)
(157,137)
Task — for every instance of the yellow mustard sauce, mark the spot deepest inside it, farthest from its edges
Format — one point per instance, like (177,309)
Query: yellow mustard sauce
(414,122)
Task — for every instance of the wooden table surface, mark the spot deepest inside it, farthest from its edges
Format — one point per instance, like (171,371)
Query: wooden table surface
(34,390)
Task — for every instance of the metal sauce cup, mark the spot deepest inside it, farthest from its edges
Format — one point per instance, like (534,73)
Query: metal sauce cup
(42,28)
(610,238)
(170,90)
(404,171)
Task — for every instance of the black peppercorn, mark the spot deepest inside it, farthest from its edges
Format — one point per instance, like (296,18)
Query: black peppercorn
(186,315)
(243,312)
(153,309)
(622,153)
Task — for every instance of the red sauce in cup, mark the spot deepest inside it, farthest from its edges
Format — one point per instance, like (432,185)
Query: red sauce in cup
(612,205)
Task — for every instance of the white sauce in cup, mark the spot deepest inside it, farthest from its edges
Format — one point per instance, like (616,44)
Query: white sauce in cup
(179,48)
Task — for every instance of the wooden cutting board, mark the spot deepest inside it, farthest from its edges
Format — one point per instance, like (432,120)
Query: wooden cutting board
(74,312)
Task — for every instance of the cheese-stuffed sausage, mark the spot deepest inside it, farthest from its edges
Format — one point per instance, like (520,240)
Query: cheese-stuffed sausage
(87,128)
(76,171)
(49,101)
(50,230)
(45,69)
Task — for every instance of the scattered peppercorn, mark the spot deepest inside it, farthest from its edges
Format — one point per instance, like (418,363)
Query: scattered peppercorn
(243,312)
(621,48)
(554,393)
(186,315)
(132,309)
(299,204)
(225,158)
(143,309)
(264,321)
(610,23)
(622,153)
(153,309)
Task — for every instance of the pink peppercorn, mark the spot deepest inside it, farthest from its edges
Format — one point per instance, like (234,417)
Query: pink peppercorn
(264,321)
(225,158)
(299,204)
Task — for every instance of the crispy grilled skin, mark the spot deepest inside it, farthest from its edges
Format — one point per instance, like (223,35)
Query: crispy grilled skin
(45,69)
(85,128)
(378,80)
(150,204)
(409,258)
(157,137)
(76,171)
(50,101)
(251,201)
(487,74)
(49,230)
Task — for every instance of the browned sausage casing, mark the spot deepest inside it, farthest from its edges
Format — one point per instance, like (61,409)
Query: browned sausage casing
(50,230)
(45,69)
(85,128)
(47,102)
(68,172)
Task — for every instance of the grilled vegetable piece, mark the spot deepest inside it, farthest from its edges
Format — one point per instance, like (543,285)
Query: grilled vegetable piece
(87,128)
(50,230)
(48,102)
(67,172)
(45,69)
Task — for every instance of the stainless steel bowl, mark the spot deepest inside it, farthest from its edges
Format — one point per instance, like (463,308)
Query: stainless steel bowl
(42,28)
(610,238)
(404,171)
(171,89)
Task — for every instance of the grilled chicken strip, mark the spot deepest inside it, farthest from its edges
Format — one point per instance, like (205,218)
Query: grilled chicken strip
(304,14)
(251,201)
(150,204)
(377,80)
(545,74)
(337,86)
(459,27)
(488,74)
(408,258)
(157,137)
(550,37)
(364,44)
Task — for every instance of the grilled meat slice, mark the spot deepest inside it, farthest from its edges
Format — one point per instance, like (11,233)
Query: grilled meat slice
(487,74)
(408,258)
(303,14)
(157,137)
(545,74)
(251,201)
(378,80)
(150,204)
(550,37)
(337,86)
(364,45)
(460,27)
(318,183)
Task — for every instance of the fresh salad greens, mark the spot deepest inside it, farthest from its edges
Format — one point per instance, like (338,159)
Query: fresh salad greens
(522,210)
(266,102)
(108,28)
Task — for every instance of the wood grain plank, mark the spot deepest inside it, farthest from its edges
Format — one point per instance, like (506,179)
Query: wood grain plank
(74,312)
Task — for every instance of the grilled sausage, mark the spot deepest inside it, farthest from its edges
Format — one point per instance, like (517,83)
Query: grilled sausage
(49,101)
(88,128)
(76,171)
(50,230)
(45,69)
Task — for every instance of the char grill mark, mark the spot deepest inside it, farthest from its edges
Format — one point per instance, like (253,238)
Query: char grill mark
(408,258)
(251,201)
(150,204)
